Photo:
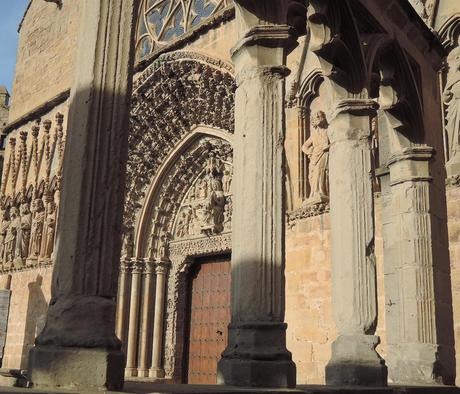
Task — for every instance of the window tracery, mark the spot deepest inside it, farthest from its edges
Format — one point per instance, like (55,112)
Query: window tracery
(162,21)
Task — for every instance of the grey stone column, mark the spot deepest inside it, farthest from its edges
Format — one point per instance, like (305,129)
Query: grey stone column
(409,277)
(157,370)
(122,302)
(78,347)
(145,331)
(133,328)
(256,354)
(354,359)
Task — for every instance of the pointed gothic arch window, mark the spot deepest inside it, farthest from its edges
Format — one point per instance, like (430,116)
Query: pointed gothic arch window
(163,21)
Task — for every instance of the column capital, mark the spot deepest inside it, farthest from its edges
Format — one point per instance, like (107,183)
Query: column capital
(149,266)
(269,36)
(125,266)
(162,267)
(137,266)
(411,165)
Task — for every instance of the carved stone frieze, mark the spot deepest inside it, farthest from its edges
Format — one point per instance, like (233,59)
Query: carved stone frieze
(201,246)
(30,196)
(307,211)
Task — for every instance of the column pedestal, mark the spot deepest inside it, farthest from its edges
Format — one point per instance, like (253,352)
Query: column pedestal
(354,359)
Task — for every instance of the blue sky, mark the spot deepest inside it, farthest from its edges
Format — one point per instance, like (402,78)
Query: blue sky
(11,12)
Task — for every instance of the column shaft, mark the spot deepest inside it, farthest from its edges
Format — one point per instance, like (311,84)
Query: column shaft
(157,369)
(147,303)
(409,271)
(133,328)
(256,354)
(80,327)
(122,302)
(354,360)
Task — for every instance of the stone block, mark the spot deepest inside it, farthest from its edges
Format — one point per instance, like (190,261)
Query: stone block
(76,368)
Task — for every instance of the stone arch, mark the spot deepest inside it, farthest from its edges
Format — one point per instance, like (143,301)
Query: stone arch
(176,93)
(450,31)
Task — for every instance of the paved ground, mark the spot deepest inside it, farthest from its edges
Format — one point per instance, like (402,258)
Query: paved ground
(149,388)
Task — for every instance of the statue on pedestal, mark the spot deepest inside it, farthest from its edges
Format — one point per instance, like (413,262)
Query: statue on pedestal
(317,150)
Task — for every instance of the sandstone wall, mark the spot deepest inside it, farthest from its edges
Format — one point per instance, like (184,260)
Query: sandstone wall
(46,54)
(30,295)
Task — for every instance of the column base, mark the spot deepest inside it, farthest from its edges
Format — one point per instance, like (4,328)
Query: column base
(76,368)
(257,357)
(157,373)
(355,362)
(415,363)
(143,373)
(131,372)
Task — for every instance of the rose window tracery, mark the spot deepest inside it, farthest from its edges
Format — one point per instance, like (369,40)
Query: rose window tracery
(162,21)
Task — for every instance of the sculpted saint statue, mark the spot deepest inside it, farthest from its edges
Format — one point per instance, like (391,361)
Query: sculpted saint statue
(317,150)
(11,235)
(24,232)
(228,174)
(38,223)
(50,229)
(127,249)
(3,231)
(452,101)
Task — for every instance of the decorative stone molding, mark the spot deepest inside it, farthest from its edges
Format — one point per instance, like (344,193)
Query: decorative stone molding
(307,212)
(453,181)
(185,250)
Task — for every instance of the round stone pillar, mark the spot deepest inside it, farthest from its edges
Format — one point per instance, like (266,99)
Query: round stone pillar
(122,303)
(133,328)
(157,369)
(256,355)
(354,359)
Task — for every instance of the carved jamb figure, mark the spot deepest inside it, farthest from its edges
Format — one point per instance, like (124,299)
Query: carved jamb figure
(127,249)
(317,150)
(183,224)
(38,222)
(11,235)
(23,241)
(3,231)
(50,230)
(163,249)
(452,101)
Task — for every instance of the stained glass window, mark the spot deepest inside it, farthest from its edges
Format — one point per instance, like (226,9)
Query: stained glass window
(162,21)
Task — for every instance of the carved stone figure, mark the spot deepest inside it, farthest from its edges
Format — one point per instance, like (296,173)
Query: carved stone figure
(163,248)
(38,223)
(50,229)
(317,150)
(127,249)
(228,174)
(217,204)
(228,211)
(3,231)
(24,232)
(183,224)
(452,101)
(11,235)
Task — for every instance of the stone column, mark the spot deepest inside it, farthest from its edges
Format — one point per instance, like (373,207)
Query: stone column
(133,328)
(256,354)
(354,359)
(147,304)
(409,277)
(122,303)
(157,369)
(78,347)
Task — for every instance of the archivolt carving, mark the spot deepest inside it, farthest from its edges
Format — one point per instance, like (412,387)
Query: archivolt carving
(174,94)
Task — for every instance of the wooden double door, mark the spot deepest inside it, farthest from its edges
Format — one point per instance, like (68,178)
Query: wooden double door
(209,312)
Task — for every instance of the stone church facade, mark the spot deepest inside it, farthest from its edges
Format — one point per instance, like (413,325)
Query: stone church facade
(371,235)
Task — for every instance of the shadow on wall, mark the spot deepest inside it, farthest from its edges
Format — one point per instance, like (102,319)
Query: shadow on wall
(36,317)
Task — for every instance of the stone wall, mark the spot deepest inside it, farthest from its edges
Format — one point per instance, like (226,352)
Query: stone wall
(30,295)
(453,214)
(46,54)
